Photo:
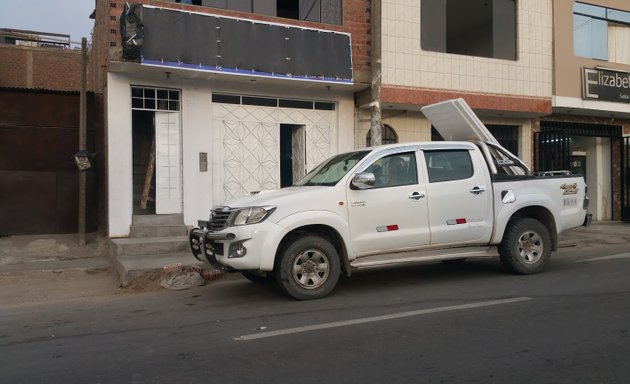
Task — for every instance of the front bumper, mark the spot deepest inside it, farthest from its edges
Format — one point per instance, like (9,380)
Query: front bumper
(248,247)
(203,243)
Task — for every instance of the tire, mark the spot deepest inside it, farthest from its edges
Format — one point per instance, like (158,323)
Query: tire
(258,277)
(526,246)
(308,268)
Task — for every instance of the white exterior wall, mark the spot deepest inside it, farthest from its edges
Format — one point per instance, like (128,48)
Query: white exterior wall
(599,166)
(198,136)
(201,190)
(406,64)
(119,156)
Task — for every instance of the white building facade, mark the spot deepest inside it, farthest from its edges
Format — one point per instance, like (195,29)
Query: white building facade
(190,130)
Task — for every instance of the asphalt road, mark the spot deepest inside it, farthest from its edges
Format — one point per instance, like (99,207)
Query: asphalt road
(432,323)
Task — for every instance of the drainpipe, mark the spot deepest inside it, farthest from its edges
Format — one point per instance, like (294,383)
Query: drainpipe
(375,102)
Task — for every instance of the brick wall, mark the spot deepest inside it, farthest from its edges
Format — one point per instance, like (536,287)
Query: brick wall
(356,21)
(99,52)
(40,68)
(13,69)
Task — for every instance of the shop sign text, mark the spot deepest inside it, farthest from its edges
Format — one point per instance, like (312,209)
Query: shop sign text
(606,85)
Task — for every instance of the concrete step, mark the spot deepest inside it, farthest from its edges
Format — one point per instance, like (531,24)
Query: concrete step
(148,246)
(142,231)
(130,267)
(172,219)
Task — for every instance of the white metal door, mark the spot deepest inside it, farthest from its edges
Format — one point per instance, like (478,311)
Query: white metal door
(394,214)
(298,139)
(459,193)
(168,187)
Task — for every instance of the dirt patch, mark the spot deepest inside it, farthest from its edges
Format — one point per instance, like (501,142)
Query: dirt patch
(35,248)
(33,288)
(148,281)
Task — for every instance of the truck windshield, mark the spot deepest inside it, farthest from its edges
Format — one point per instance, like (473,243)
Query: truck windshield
(332,170)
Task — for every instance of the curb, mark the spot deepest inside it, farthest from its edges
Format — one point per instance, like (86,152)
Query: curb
(88,265)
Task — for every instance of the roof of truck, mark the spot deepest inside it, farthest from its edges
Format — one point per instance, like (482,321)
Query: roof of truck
(428,145)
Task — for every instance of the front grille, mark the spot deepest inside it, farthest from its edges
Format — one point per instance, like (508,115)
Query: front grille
(219,217)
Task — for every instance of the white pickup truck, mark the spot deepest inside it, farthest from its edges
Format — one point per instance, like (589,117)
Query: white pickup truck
(397,204)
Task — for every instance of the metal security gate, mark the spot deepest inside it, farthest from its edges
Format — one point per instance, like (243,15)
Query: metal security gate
(551,150)
(625,179)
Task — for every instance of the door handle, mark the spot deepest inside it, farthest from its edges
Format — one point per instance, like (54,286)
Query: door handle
(477,190)
(417,195)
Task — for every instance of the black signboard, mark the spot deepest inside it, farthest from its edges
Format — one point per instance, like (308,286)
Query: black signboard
(606,85)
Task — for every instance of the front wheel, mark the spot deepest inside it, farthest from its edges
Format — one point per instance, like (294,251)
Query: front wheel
(308,268)
(526,246)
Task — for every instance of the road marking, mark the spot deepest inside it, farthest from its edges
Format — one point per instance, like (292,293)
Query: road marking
(611,257)
(372,319)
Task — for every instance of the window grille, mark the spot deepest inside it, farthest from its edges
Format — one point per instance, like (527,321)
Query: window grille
(388,136)
(155,99)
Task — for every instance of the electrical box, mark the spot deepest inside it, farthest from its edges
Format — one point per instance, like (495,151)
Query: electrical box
(203,162)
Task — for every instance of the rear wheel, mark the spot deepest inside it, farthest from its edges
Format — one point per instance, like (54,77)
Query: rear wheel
(308,268)
(526,246)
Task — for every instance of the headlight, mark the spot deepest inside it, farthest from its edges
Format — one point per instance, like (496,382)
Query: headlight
(250,215)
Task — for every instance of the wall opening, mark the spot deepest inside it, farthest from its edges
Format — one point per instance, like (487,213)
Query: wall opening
(292,154)
(143,129)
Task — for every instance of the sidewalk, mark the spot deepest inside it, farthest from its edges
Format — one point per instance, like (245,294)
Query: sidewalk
(598,233)
(54,253)
(59,253)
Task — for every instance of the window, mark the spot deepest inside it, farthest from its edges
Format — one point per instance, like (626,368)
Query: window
(601,33)
(446,165)
(154,99)
(332,170)
(272,102)
(319,11)
(388,136)
(394,170)
(289,9)
(260,101)
(506,135)
(194,2)
(484,28)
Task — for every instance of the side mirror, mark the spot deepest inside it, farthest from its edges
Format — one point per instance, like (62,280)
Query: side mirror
(363,180)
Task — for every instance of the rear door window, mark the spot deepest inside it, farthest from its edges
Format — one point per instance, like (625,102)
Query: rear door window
(447,165)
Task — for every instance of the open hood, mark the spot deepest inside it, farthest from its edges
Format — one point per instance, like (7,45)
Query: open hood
(456,121)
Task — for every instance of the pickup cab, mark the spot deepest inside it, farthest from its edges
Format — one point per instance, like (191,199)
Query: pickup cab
(397,204)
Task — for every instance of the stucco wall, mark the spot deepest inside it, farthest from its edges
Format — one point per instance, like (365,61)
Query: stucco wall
(568,67)
(201,190)
(406,64)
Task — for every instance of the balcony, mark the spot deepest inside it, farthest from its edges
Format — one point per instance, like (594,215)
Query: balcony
(167,38)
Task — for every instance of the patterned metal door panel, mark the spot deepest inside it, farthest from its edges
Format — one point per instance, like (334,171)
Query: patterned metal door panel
(250,137)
